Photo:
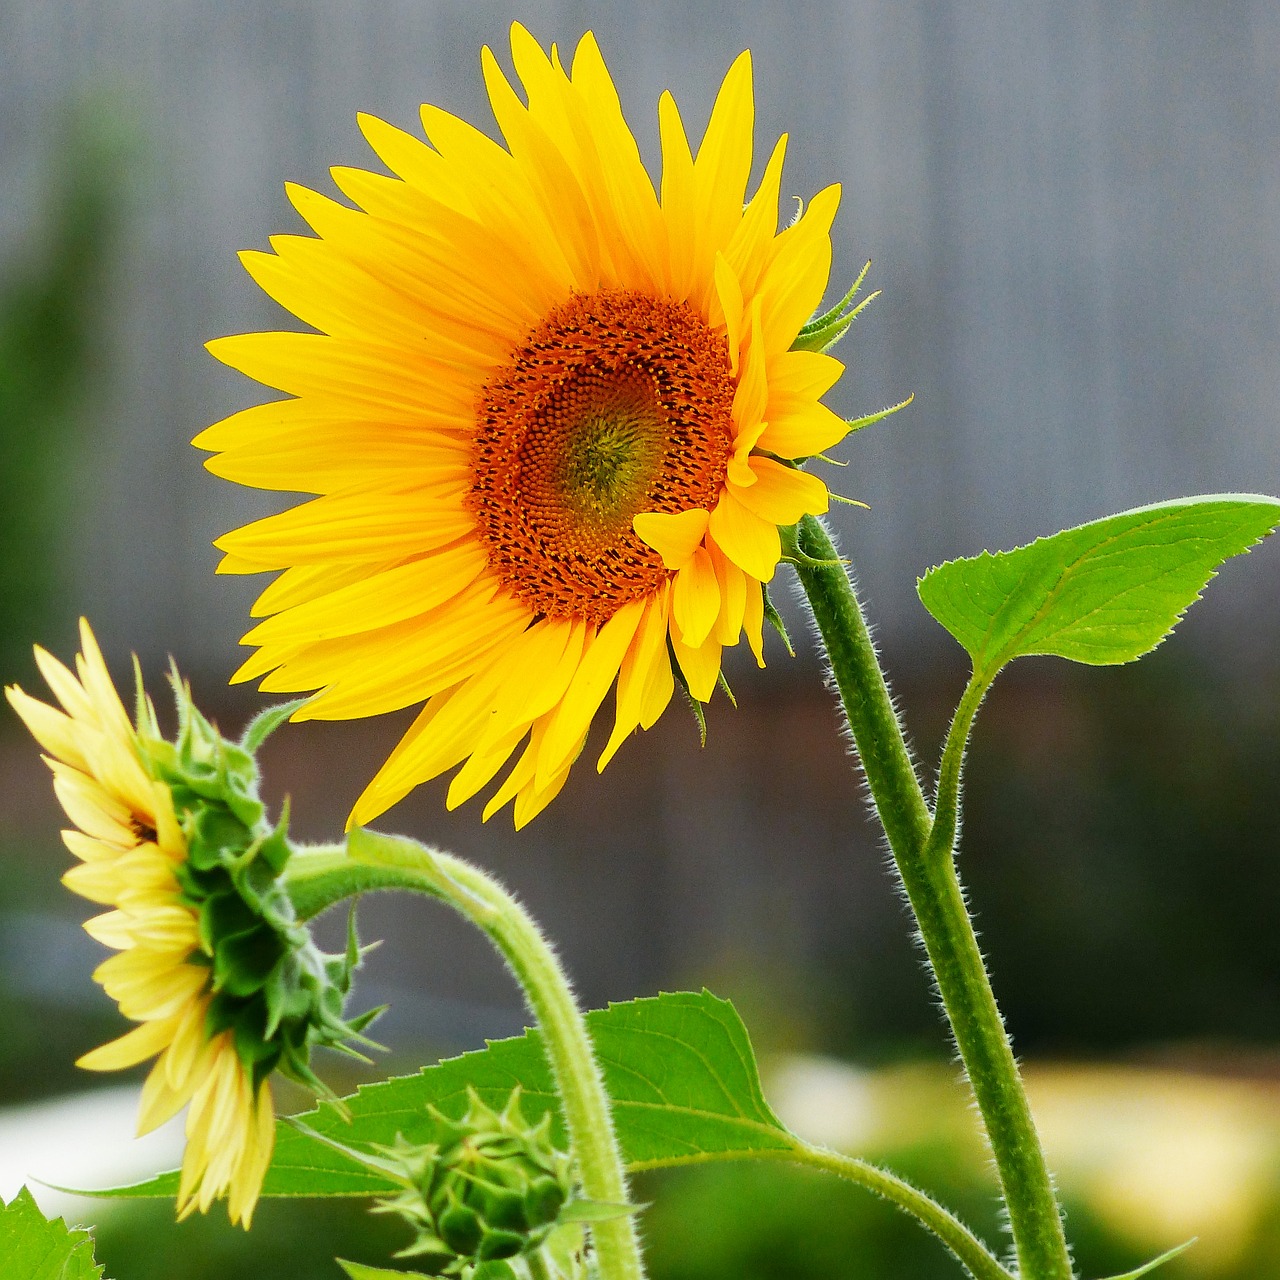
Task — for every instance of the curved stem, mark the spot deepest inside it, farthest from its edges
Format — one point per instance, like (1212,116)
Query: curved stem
(937,900)
(967,1248)
(946,808)
(317,878)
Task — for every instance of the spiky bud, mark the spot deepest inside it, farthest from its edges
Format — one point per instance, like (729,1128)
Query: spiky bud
(491,1188)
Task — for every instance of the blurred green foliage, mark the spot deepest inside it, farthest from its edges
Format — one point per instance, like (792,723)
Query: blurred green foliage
(730,1222)
(51,314)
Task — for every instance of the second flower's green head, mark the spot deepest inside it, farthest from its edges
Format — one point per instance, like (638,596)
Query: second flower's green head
(270,984)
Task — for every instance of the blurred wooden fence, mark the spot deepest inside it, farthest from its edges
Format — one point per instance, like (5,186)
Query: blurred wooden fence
(1074,211)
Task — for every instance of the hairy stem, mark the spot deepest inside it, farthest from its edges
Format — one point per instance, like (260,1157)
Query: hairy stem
(937,900)
(317,878)
(972,1254)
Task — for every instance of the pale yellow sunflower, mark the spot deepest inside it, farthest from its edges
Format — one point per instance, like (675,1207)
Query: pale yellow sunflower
(550,415)
(132,851)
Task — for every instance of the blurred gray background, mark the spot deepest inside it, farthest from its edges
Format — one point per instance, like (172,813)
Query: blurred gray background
(1073,211)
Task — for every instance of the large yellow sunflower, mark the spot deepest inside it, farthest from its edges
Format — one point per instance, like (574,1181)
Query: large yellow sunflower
(132,850)
(550,416)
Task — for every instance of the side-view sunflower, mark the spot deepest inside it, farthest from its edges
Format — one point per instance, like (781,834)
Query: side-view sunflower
(552,417)
(224,983)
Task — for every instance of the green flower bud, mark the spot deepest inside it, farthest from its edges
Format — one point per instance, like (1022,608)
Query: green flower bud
(492,1188)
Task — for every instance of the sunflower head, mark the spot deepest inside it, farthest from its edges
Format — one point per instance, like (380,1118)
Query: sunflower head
(554,417)
(223,981)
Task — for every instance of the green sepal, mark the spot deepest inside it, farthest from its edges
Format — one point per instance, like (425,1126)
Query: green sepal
(793,553)
(774,619)
(266,722)
(723,683)
(823,331)
(270,984)
(870,419)
(699,715)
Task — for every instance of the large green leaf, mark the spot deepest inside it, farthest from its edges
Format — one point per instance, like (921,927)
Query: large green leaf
(33,1248)
(1102,593)
(678,1067)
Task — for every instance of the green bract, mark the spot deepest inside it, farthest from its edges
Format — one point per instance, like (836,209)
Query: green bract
(483,1199)
(271,985)
(492,1189)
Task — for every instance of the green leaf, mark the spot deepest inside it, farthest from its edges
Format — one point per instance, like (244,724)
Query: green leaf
(1102,593)
(358,1271)
(679,1068)
(1149,1267)
(33,1248)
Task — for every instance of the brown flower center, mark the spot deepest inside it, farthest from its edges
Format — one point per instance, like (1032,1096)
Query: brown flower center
(616,403)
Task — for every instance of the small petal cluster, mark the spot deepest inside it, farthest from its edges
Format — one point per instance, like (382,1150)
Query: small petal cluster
(552,418)
(222,981)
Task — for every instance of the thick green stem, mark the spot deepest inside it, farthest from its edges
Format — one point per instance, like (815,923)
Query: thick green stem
(938,902)
(318,878)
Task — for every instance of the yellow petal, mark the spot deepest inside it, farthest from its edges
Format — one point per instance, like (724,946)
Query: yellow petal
(733,596)
(374,523)
(648,651)
(750,542)
(131,1048)
(55,732)
(392,595)
(781,495)
(723,164)
(803,432)
(159,1102)
(751,248)
(678,200)
(533,798)
(306,582)
(695,599)
(727,309)
(292,444)
(596,672)
(95,812)
(406,662)
(66,688)
(749,401)
(793,284)
(701,666)
(753,619)
(675,537)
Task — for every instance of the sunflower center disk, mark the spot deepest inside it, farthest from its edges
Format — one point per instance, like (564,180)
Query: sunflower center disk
(617,403)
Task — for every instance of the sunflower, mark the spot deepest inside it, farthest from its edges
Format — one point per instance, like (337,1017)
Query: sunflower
(224,983)
(551,417)
(131,848)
